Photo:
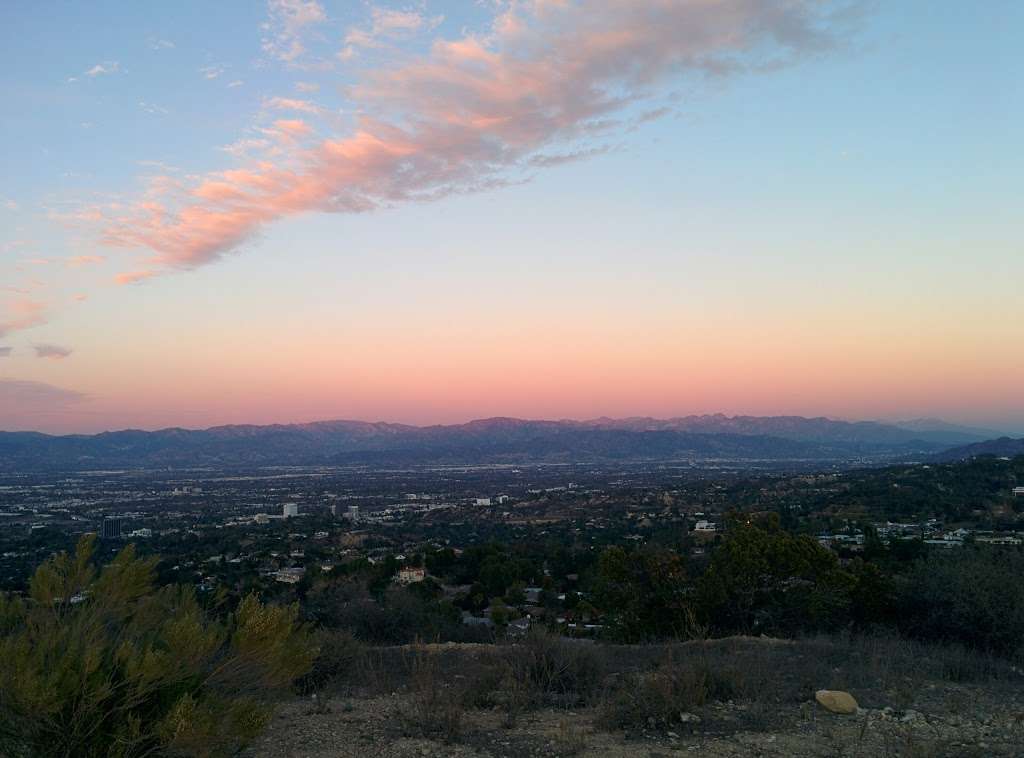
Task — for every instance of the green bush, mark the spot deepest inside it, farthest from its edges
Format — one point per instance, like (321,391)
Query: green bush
(338,658)
(972,596)
(101,663)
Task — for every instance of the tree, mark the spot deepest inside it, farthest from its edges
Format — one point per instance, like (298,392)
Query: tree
(643,593)
(101,663)
(767,580)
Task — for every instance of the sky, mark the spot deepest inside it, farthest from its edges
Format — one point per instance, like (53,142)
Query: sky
(428,212)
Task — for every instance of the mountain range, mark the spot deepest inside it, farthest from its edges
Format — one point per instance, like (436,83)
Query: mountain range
(494,440)
(1008,447)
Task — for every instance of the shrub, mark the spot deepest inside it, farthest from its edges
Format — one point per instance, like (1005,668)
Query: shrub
(689,677)
(102,664)
(971,596)
(339,652)
(655,698)
(553,669)
(437,706)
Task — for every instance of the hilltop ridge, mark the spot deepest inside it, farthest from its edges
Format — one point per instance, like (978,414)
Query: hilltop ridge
(488,440)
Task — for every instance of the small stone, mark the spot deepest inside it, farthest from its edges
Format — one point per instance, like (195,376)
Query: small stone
(689,718)
(836,701)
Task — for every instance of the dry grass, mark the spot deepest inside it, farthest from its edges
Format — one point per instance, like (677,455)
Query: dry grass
(644,686)
(437,708)
(556,671)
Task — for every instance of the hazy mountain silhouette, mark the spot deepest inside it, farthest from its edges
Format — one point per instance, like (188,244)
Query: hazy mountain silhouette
(481,441)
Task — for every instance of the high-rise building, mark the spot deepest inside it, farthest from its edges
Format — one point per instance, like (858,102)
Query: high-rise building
(112,528)
(353,513)
(290,510)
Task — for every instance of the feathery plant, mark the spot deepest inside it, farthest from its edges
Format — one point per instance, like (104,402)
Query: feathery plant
(102,663)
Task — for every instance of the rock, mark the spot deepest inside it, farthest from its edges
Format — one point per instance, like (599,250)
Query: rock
(910,715)
(689,718)
(836,701)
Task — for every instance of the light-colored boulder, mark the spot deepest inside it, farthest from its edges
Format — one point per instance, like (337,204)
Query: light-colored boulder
(836,701)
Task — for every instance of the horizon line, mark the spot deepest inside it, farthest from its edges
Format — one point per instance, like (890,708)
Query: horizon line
(563,420)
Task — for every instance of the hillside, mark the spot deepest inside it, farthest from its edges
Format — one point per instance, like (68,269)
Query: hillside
(1003,447)
(756,697)
(483,441)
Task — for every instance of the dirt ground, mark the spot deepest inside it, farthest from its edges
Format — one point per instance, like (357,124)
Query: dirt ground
(906,710)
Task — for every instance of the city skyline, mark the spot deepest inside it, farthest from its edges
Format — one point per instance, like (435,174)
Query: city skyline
(432,212)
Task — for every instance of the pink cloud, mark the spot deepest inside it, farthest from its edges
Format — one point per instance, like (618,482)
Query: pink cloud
(133,277)
(85,260)
(23,314)
(473,111)
(292,127)
(389,24)
(291,104)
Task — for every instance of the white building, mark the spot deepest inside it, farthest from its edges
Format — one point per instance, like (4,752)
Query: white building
(290,510)
(1018,491)
(411,575)
(290,575)
(353,513)
(483,501)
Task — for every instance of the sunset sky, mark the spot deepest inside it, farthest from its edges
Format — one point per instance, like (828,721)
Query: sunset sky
(423,212)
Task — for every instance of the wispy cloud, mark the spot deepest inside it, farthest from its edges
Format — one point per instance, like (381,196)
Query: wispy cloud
(388,25)
(291,104)
(18,244)
(292,127)
(84,260)
(22,314)
(286,26)
(100,69)
(134,277)
(155,110)
(235,83)
(307,87)
(160,44)
(211,72)
(243,146)
(52,352)
(23,395)
(559,159)
(476,109)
